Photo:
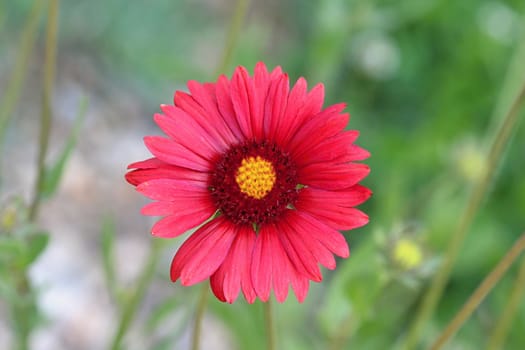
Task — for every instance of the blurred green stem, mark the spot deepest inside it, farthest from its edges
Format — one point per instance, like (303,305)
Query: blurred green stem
(130,307)
(432,297)
(19,70)
(46,113)
(343,333)
(497,339)
(233,34)
(24,310)
(484,288)
(269,320)
(199,317)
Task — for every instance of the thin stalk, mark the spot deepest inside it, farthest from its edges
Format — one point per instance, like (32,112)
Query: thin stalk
(24,308)
(46,113)
(14,86)
(433,295)
(130,308)
(270,326)
(497,338)
(233,34)
(199,317)
(344,332)
(481,292)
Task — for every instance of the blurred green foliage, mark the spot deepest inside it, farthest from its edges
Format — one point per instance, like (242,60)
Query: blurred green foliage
(427,83)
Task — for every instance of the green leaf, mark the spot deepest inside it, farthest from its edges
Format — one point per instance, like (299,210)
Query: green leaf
(54,173)
(108,248)
(37,243)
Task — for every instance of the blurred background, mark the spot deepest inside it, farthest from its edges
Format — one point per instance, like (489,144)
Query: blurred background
(427,83)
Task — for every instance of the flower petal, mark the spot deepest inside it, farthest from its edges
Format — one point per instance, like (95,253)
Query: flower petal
(173,190)
(154,168)
(208,101)
(325,124)
(275,106)
(183,128)
(176,224)
(262,265)
(300,108)
(332,239)
(301,257)
(234,274)
(336,149)
(173,153)
(332,176)
(203,252)
(243,99)
(308,247)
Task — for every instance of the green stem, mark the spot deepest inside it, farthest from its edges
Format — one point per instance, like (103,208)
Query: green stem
(24,309)
(199,317)
(270,326)
(497,339)
(46,113)
(481,292)
(14,87)
(343,333)
(233,34)
(474,200)
(130,308)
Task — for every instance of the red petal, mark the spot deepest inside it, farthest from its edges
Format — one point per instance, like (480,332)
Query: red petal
(316,250)
(325,124)
(262,265)
(234,273)
(203,252)
(243,99)
(153,168)
(301,257)
(281,263)
(207,100)
(275,106)
(173,190)
(173,153)
(176,224)
(301,107)
(300,285)
(261,81)
(348,197)
(181,127)
(225,105)
(329,237)
(332,176)
(177,205)
(336,149)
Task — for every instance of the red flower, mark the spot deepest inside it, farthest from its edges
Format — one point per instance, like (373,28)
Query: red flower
(267,173)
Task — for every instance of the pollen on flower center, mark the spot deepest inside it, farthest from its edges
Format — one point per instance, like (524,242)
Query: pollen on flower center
(255,177)
(254,183)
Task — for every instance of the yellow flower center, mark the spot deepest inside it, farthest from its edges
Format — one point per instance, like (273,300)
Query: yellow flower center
(407,254)
(255,177)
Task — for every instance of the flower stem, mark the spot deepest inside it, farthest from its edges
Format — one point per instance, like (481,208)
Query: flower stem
(46,112)
(343,334)
(431,298)
(481,292)
(19,70)
(233,34)
(199,317)
(130,308)
(497,339)
(270,326)
(24,308)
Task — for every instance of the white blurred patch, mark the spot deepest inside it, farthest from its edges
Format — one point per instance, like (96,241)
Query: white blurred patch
(376,55)
(498,21)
